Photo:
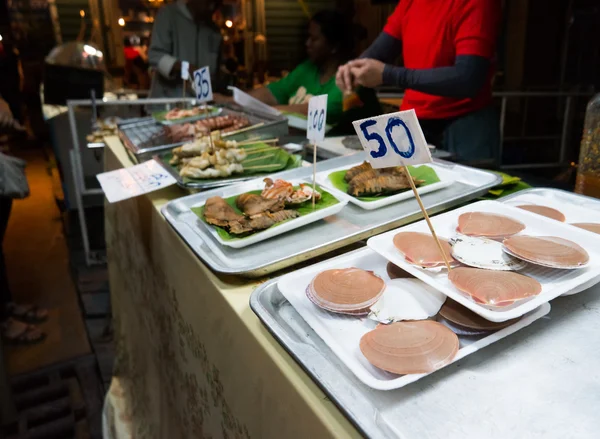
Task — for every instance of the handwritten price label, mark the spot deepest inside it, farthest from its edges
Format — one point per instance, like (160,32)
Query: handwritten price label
(317,118)
(185,70)
(394,139)
(202,85)
(130,182)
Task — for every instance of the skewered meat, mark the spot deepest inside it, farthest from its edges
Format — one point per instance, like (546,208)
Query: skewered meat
(382,184)
(277,190)
(353,172)
(180,113)
(217,171)
(187,131)
(252,204)
(219,213)
(261,221)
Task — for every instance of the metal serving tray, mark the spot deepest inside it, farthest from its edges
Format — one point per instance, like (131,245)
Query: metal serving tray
(352,224)
(145,138)
(526,385)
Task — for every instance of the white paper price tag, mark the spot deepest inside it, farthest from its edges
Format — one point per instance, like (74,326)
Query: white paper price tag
(202,85)
(130,182)
(317,118)
(394,139)
(185,70)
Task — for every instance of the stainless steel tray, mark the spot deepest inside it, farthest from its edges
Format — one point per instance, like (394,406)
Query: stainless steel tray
(146,137)
(521,386)
(567,197)
(352,224)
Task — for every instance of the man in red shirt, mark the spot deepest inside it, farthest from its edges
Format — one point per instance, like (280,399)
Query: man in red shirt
(448,48)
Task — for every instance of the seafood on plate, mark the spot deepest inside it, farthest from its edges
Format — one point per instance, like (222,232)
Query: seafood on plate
(253,204)
(410,347)
(181,113)
(421,249)
(484,253)
(346,291)
(224,124)
(548,251)
(455,313)
(590,227)
(494,288)
(364,180)
(546,211)
(489,225)
(284,190)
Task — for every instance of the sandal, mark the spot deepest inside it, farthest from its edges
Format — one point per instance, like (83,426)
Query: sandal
(27,313)
(28,335)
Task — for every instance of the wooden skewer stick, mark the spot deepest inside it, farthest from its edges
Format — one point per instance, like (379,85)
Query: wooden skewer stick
(314,173)
(437,241)
(257,150)
(261,166)
(212,145)
(251,127)
(257,158)
(184,84)
(257,141)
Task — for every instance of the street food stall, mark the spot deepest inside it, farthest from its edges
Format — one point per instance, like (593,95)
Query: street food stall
(241,310)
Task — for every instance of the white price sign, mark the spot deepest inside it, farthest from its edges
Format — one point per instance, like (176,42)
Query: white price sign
(317,118)
(202,85)
(137,180)
(185,70)
(394,139)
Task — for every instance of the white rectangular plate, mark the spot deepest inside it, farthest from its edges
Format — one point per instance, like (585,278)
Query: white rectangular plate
(278,229)
(447,177)
(554,282)
(343,333)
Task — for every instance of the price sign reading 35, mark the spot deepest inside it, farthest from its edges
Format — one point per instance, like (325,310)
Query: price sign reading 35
(317,118)
(202,85)
(394,139)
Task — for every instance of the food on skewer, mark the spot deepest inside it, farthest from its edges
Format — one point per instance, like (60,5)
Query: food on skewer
(365,181)
(590,227)
(180,113)
(346,291)
(549,251)
(225,124)
(494,288)
(284,190)
(544,211)
(410,347)
(216,171)
(252,204)
(489,225)
(421,249)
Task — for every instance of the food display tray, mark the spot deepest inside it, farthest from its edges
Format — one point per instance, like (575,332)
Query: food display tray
(145,138)
(555,282)
(474,398)
(352,224)
(212,111)
(342,333)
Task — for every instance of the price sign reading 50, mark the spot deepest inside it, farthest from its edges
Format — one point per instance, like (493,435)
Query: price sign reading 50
(202,85)
(394,139)
(317,118)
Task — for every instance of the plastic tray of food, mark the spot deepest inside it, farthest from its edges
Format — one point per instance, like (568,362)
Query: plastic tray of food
(325,206)
(441,178)
(507,377)
(145,138)
(350,225)
(554,282)
(342,333)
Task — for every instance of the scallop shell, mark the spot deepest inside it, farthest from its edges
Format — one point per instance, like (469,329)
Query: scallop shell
(494,288)
(484,253)
(544,211)
(590,227)
(548,251)
(346,291)
(490,225)
(459,315)
(410,347)
(420,249)
(395,272)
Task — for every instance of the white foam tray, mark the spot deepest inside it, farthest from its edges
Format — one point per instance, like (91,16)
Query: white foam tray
(263,235)
(447,177)
(343,333)
(554,282)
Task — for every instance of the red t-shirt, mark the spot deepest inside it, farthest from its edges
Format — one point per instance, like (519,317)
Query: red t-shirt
(433,33)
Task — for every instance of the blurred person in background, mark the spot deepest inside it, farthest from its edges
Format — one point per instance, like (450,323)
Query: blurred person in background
(448,48)
(11,77)
(136,68)
(183,31)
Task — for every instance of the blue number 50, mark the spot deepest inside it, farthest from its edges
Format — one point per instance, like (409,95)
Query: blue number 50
(392,122)
(373,136)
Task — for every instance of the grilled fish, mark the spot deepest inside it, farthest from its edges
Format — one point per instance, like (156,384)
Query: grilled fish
(261,221)
(382,184)
(252,204)
(219,213)
(353,172)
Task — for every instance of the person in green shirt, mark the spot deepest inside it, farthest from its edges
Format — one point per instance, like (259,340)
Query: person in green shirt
(330,44)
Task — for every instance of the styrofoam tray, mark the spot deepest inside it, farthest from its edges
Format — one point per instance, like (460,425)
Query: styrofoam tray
(554,282)
(446,175)
(343,333)
(279,229)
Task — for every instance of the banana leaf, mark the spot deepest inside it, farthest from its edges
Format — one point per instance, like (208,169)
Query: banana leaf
(327,200)
(422,172)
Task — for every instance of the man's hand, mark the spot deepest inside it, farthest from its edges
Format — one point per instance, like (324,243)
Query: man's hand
(367,72)
(343,78)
